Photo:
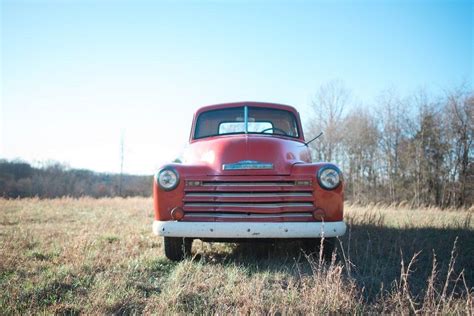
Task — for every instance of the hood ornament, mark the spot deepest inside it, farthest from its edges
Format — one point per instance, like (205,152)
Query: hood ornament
(247,165)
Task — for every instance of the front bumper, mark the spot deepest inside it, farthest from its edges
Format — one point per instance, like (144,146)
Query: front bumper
(249,230)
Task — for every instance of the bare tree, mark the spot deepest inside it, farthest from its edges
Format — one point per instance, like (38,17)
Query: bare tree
(431,153)
(360,145)
(459,113)
(393,119)
(328,109)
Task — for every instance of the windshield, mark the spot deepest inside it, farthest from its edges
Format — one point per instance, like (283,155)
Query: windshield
(246,119)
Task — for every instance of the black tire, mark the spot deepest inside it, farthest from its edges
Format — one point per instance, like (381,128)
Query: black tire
(177,248)
(312,246)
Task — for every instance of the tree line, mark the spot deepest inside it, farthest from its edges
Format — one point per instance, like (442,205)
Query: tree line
(51,180)
(416,149)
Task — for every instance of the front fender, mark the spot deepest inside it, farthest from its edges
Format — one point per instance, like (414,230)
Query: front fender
(330,201)
(165,201)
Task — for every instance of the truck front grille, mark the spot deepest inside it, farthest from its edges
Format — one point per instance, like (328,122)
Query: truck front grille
(249,200)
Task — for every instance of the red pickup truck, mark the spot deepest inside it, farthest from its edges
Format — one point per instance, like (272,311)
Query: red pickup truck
(248,174)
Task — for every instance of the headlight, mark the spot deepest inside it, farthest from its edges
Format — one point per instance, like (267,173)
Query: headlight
(329,177)
(167,178)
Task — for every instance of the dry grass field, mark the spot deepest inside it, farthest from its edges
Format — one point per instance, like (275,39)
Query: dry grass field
(72,256)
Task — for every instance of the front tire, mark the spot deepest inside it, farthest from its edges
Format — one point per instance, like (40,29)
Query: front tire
(313,245)
(177,248)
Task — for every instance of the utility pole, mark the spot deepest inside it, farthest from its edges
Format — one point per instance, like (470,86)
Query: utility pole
(121,162)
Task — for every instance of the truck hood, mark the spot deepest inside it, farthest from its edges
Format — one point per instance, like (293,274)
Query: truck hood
(247,155)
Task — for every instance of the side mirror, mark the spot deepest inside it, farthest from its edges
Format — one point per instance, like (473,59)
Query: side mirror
(319,135)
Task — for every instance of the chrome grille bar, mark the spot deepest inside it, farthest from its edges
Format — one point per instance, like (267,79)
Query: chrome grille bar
(249,205)
(249,194)
(247,215)
(248,184)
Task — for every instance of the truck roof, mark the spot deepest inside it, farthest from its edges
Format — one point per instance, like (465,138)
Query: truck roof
(248,103)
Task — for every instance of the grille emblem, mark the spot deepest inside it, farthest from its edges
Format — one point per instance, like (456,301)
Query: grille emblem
(246,165)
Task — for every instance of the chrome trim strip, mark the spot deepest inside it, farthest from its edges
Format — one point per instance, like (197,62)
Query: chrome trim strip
(247,165)
(246,119)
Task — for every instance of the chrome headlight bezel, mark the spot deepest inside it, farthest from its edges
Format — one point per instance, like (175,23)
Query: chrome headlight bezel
(322,173)
(162,172)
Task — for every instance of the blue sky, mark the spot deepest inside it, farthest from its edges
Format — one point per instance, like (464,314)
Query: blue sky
(75,75)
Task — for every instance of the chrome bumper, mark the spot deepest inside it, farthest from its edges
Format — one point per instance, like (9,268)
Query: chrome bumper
(249,229)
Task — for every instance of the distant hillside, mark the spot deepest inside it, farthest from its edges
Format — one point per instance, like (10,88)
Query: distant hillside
(20,179)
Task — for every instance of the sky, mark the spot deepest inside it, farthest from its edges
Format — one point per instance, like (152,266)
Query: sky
(79,76)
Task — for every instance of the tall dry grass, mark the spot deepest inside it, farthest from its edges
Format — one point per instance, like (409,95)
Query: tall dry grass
(99,256)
